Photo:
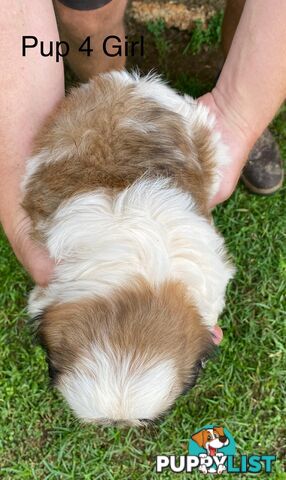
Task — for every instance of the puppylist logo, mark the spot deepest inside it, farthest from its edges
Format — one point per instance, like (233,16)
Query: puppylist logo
(212,449)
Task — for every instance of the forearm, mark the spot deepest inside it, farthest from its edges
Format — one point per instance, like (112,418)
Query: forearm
(30,89)
(31,86)
(252,84)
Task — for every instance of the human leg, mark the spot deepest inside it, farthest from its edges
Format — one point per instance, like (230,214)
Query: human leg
(97,23)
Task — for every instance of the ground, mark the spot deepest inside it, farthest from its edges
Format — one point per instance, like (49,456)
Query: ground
(243,389)
(189,51)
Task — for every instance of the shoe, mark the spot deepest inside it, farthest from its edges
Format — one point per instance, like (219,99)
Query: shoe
(263,173)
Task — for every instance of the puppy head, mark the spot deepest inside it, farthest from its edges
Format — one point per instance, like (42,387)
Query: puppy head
(125,359)
(213,437)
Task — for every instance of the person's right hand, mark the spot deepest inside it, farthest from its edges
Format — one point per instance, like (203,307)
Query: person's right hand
(239,144)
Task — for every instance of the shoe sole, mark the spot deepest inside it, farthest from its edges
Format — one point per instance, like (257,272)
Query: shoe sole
(262,191)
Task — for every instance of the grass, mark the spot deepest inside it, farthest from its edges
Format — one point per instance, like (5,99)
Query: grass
(244,389)
(202,36)
(205,36)
(158,30)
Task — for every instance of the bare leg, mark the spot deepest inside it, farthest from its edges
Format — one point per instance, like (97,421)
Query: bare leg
(76,25)
(31,86)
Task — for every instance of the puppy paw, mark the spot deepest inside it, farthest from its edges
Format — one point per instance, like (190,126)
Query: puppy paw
(221,468)
(203,469)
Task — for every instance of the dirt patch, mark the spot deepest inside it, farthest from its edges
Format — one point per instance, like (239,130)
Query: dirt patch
(176,15)
(180,14)
(179,18)
(177,63)
(215,4)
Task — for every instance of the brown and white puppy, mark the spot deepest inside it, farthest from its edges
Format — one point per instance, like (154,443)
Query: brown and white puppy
(117,190)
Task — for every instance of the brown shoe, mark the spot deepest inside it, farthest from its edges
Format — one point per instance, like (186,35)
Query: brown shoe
(263,173)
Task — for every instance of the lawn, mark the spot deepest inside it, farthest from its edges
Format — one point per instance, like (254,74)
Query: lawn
(243,389)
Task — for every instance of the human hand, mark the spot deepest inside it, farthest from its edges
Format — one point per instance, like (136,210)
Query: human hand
(239,140)
(33,257)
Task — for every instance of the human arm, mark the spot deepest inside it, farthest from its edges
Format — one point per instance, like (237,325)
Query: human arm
(252,84)
(31,87)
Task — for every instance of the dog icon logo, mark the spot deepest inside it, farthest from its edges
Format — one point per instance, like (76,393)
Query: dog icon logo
(212,444)
(212,449)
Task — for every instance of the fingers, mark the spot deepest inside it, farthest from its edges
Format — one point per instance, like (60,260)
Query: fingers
(34,258)
(217,334)
(229,180)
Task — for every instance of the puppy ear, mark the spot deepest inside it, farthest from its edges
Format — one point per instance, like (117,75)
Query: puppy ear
(38,325)
(52,327)
(52,334)
(63,333)
(219,430)
(200,438)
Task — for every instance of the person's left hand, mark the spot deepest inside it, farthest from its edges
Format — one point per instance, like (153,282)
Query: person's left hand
(32,256)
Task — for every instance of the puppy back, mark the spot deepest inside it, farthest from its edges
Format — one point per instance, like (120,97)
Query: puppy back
(109,133)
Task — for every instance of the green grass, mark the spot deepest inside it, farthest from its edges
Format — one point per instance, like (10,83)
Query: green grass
(202,36)
(158,30)
(243,389)
(205,36)
(192,86)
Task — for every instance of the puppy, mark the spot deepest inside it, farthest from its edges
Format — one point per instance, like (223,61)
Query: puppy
(118,190)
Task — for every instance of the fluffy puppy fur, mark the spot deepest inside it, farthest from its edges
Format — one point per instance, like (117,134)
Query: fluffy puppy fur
(117,190)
